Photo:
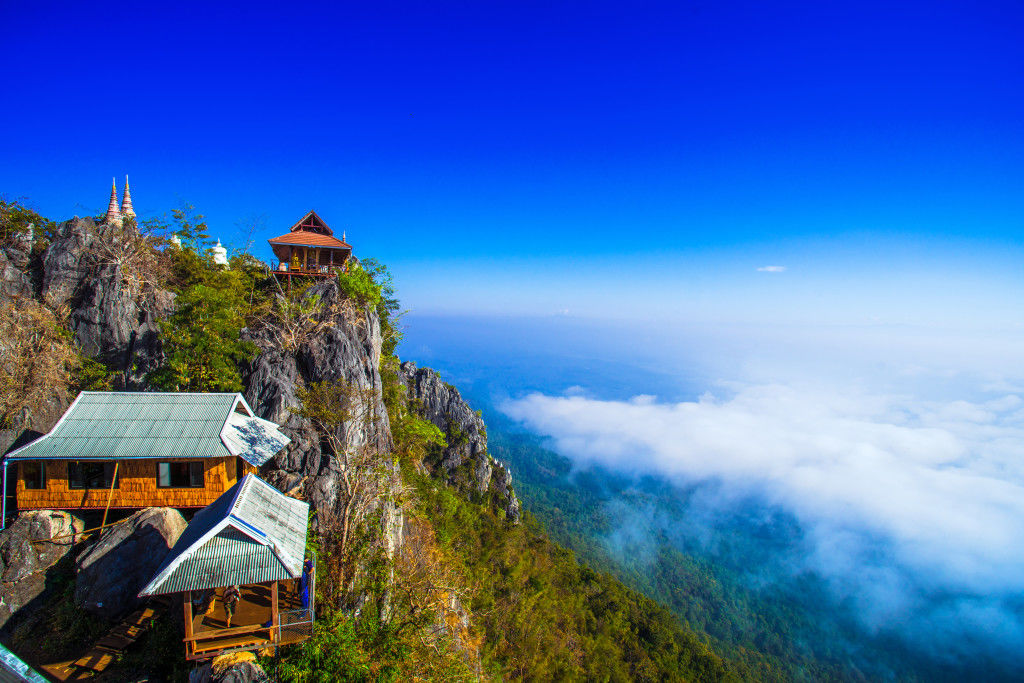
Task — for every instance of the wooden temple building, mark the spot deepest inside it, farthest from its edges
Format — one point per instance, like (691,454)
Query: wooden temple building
(309,249)
(129,450)
(253,538)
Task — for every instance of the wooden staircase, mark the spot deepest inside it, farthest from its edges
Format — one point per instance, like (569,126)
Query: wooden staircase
(109,648)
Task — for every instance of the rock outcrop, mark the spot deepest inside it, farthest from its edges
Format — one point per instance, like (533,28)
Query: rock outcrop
(239,667)
(465,463)
(14,267)
(36,541)
(114,307)
(113,570)
(337,342)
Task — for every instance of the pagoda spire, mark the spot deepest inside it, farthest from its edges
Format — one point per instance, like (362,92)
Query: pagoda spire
(126,204)
(113,215)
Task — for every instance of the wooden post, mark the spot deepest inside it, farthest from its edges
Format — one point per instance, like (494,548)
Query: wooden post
(188,614)
(110,496)
(188,623)
(275,615)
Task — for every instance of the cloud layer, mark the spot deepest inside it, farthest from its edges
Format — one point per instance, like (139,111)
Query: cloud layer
(901,498)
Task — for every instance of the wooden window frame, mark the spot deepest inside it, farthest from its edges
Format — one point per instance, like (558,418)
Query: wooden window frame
(42,474)
(193,466)
(108,474)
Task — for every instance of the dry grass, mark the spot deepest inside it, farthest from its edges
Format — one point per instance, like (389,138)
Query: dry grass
(37,362)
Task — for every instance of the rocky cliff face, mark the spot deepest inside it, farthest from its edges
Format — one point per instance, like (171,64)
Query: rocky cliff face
(114,311)
(339,342)
(465,463)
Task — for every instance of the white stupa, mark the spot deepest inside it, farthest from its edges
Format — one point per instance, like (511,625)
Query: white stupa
(220,254)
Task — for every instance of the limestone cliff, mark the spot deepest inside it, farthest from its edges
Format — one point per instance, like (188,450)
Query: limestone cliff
(114,309)
(336,341)
(465,463)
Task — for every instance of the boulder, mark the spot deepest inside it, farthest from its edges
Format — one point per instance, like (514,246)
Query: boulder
(23,563)
(239,667)
(112,571)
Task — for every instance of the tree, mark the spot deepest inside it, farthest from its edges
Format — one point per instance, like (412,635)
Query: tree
(202,342)
(337,411)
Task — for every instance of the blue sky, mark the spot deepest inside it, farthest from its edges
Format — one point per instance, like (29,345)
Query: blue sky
(600,159)
(581,200)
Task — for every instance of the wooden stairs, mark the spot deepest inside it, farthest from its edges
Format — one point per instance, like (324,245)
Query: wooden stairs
(109,648)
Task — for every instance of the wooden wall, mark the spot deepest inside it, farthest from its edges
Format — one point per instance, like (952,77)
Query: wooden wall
(138,487)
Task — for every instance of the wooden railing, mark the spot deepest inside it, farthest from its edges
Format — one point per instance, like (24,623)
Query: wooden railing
(321,271)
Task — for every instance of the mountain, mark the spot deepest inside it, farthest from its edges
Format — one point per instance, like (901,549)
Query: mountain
(428,565)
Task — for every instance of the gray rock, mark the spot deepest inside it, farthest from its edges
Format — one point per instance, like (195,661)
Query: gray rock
(239,672)
(465,463)
(23,564)
(14,279)
(113,570)
(114,316)
(345,345)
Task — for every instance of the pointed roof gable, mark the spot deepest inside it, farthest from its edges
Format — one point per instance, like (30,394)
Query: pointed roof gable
(252,533)
(311,222)
(115,425)
(309,231)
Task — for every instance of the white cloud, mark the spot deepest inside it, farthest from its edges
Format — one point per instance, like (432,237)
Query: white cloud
(772,269)
(938,486)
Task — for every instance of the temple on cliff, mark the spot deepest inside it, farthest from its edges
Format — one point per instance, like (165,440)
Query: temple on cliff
(310,249)
(116,216)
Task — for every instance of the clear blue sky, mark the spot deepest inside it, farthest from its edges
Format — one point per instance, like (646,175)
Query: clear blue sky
(537,158)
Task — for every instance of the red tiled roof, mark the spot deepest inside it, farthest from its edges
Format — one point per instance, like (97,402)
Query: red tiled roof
(307,238)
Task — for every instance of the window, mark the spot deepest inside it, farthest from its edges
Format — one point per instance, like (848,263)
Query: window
(34,474)
(92,475)
(179,475)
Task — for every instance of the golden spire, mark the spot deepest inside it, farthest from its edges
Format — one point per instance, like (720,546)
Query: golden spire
(126,204)
(113,215)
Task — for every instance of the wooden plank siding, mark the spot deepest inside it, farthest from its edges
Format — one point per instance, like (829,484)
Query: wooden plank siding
(137,488)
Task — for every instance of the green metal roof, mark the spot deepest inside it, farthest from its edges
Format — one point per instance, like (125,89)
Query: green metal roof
(119,425)
(251,534)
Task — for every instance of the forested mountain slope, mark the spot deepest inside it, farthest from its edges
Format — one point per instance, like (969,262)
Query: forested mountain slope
(427,566)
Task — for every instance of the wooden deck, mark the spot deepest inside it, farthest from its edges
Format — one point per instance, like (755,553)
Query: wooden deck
(251,627)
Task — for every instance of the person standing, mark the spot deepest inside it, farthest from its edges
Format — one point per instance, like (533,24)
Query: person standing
(306,582)
(231,597)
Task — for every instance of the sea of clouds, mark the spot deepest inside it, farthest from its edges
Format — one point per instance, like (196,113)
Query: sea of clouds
(907,482)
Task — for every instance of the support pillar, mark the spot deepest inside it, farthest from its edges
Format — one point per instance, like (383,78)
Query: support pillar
(188,621)
(275,614)
(3,504)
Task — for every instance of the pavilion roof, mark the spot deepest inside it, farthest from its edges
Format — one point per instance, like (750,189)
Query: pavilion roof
(310,231)
(252,533)
(303,238)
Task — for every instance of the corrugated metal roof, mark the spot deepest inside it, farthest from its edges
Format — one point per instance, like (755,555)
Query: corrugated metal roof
(123,425)
(251,534)
(261,438)
(229,558)
(14,670)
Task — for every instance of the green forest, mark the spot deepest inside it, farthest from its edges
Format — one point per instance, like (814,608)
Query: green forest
(524,607)
(471,595)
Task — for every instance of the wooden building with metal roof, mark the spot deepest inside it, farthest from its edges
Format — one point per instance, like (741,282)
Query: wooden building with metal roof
(252,537)
(139,449)
(309,248)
